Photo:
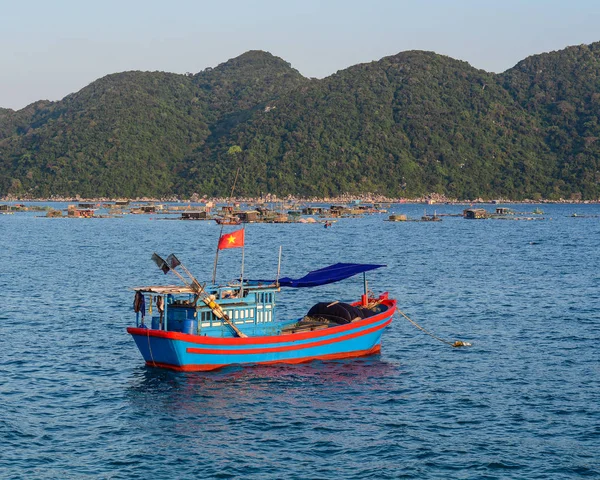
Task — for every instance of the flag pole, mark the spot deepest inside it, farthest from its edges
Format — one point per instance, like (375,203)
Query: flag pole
(241,294)
(214,279)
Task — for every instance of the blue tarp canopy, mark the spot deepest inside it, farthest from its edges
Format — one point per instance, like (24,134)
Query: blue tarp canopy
(323,276)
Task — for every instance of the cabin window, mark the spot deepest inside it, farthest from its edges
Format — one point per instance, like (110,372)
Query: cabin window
(251,313)
(242,314)
(259,316)
(205,319)
(236,314)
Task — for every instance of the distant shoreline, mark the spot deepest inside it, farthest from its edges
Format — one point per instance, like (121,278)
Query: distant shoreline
(342,199)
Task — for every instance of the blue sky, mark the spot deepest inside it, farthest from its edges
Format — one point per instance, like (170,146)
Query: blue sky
(52,48)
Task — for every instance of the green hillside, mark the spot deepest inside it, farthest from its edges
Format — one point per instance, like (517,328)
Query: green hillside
(406,125)
(127,134)
(409,124)
(562,90)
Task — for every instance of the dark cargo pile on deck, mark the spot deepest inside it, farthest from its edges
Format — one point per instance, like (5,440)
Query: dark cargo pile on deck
(331,314)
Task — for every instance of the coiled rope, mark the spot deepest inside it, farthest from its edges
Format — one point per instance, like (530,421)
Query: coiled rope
(457,343)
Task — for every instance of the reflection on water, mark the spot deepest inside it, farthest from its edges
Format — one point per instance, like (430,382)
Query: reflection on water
(195,392)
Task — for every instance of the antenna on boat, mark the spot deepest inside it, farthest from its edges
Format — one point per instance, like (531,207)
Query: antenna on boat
(241,292)
(214,278)
(278,267)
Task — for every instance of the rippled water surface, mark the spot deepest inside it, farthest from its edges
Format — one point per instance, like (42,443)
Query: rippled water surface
(76,400)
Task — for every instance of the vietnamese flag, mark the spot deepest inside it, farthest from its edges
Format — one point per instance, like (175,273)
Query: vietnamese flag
(232,240)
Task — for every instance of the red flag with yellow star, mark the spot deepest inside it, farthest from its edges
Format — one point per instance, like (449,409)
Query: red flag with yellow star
(232,240)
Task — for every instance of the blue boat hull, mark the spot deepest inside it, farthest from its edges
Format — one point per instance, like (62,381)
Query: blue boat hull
(186,352)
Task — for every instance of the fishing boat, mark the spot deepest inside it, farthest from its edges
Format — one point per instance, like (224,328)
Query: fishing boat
(196,327)
(229,220)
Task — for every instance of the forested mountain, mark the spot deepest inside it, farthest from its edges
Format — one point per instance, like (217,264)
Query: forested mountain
(409,124)
(127,134)
(562,90)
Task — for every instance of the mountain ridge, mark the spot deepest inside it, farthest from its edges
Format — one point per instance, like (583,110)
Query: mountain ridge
(408,124)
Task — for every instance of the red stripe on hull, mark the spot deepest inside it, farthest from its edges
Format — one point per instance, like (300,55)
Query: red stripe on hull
(329,356)
(291,337)
(251,351)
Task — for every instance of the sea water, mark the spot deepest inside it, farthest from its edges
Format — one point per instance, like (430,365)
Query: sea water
(77,401)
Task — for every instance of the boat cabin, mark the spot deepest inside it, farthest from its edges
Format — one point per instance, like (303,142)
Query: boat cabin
(179,309)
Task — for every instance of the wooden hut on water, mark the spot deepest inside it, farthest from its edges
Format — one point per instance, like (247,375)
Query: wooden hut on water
(249,216)
(339,211)
(195,215)
(475,213)
(504,211)
(78,212)
(313,210)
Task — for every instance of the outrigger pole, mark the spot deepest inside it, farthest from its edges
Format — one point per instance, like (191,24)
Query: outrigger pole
(171,264)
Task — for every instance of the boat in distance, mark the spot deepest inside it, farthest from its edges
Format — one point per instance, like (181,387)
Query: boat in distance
(197,327)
